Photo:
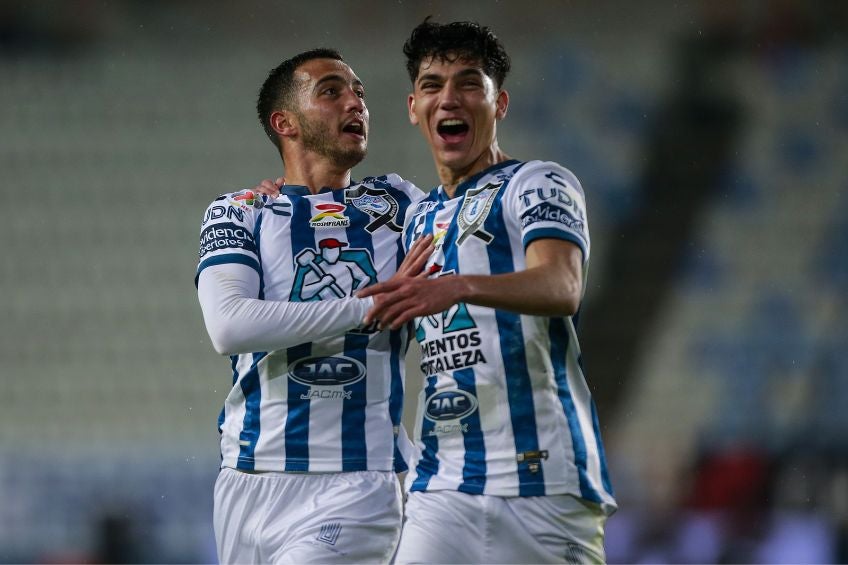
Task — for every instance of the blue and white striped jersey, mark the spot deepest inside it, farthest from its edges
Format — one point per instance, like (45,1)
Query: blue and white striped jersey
(333,404)
(505,409)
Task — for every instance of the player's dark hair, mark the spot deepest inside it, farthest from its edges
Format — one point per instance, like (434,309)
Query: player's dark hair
(278,90)
(456,40)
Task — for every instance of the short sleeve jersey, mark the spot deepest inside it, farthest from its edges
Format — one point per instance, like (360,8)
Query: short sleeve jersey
(333,404)
(505,409)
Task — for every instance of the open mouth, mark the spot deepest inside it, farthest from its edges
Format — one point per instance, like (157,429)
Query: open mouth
(355,127)
(452,130)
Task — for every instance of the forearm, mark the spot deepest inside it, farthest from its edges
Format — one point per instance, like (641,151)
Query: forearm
(237,323)
(537,291)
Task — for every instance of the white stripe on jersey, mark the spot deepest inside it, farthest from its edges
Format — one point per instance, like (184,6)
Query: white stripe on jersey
(505,409)
(311,407)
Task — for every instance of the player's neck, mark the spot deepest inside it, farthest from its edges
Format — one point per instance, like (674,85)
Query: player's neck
(451,177)
(315,172)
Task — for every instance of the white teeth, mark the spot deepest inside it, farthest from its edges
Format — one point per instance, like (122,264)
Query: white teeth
(451,122)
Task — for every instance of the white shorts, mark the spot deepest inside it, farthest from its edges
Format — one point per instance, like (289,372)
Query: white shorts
(454,527)
(306,518)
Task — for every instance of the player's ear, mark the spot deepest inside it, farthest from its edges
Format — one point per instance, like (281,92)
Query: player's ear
(502,103)
(410,103)
(283,122)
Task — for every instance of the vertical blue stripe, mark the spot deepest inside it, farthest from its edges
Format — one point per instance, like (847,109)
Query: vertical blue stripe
(297,415)
(605,479)
(249,434)
(354,441)
(600,446)
(398,341)
(257,234)
(222,416)
(474,467)
(297,418)
(522,410)
(559,351)
(428,464)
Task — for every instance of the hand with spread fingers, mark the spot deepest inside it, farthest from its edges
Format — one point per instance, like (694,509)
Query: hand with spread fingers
(410,293)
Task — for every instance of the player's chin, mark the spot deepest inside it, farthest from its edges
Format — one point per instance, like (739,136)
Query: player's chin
(349,157)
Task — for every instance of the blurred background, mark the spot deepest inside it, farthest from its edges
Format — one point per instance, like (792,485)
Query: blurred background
(711,139)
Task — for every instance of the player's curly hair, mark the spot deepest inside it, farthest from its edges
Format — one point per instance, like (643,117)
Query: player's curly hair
(456,40)
(278,90)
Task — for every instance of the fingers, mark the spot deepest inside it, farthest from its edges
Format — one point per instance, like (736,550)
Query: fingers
(397,315)
(280,181)
(268,188)
(417,257)
(372,290)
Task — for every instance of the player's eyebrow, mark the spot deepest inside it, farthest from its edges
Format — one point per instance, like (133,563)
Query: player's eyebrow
(338,78)
(473,71)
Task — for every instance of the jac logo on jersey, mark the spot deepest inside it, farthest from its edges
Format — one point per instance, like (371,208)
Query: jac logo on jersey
(327,371)
(450,405)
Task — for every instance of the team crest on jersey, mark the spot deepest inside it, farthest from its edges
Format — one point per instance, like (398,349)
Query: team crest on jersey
(377,203)
(330,215)
(246,199)
(475,209)
(331,271)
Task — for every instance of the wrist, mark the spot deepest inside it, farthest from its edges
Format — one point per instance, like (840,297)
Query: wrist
(461,289)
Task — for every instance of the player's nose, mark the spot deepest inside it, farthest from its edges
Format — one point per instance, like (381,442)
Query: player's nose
(448,96)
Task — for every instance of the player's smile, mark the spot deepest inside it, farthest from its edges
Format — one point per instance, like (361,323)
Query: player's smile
(452,130)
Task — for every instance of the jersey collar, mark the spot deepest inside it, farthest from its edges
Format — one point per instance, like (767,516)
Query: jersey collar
(300,190)
(471,182)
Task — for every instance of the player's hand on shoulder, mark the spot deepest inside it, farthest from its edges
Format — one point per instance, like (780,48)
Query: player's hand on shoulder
(270,188)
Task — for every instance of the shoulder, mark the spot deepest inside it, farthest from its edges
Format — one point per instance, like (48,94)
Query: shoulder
(394,183)
(240,206)
(544,174)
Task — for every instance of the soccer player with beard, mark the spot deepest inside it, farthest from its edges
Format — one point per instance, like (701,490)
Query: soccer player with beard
(309,430)
(510,465)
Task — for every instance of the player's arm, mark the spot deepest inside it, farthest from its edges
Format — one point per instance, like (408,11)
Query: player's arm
(551,285)
(237,322)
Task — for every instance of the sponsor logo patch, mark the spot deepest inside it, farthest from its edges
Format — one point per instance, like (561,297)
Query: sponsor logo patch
(549,213)
(225,236)
(246,199)
(327,371)
(330,215)
(449,405)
